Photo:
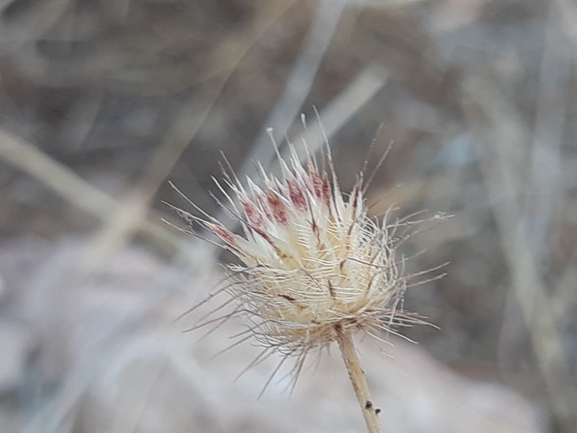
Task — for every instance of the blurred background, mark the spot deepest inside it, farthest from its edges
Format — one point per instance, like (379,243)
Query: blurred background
(104,101)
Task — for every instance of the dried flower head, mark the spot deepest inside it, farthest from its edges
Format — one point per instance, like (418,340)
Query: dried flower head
(314,267)
(311,259)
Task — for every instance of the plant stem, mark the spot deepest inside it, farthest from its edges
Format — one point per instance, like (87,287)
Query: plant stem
(357,376)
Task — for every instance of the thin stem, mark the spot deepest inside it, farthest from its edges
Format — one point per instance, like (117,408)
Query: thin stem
(357,376)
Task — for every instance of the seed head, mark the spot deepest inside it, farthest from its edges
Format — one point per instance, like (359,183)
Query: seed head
(311,261)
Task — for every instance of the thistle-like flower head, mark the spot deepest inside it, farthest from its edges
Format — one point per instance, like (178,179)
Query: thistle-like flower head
(311,261)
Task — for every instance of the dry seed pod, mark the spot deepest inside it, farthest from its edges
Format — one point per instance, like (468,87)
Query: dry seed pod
(314,267)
